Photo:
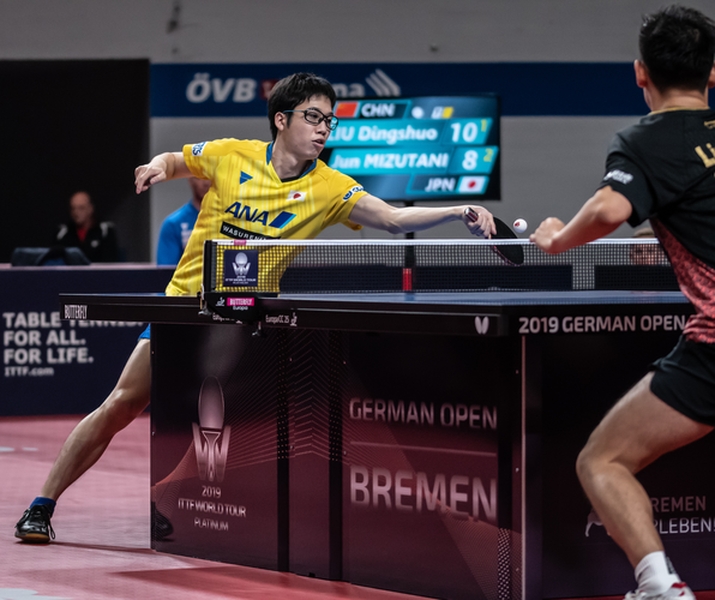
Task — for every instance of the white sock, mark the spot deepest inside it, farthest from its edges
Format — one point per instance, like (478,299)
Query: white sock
(655,574)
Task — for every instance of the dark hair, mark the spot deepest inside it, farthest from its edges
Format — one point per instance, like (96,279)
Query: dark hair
(290,91)
(677,46)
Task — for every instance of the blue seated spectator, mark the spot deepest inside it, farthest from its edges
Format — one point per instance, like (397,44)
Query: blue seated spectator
(177,227)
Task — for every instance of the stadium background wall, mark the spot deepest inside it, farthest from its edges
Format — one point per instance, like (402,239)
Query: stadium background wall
(552,153)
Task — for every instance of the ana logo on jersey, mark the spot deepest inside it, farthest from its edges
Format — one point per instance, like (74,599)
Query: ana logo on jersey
(295,195)
(246,213)
(198,149)
(353,191)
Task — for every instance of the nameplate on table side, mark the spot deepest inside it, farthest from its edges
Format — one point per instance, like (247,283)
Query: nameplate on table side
(394,321)
(75,312)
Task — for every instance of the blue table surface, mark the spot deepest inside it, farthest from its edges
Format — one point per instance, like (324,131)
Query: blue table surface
(472,298)
(501,298)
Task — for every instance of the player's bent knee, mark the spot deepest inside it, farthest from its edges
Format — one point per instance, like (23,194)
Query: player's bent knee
(124,406)
(588,462)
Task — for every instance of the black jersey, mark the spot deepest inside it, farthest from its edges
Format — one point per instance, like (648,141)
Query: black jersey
(665,167)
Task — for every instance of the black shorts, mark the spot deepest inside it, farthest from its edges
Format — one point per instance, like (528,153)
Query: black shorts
(685,380)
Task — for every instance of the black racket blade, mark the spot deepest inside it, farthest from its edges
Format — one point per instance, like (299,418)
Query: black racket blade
(513,255)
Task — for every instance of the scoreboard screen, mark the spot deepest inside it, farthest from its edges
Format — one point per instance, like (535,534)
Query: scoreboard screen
(426,148)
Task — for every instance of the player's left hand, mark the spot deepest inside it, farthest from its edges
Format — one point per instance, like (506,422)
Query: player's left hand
(544,235)
(146,175)
(483,226)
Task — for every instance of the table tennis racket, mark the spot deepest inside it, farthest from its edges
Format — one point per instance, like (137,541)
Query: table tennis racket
(512,255)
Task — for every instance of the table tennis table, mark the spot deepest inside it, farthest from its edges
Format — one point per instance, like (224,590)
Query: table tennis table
(421,442)
(435,312)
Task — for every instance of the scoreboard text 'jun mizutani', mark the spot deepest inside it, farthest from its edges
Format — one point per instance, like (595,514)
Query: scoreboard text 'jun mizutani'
(427,148)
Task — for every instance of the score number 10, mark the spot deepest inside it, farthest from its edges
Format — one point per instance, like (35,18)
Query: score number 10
(466,131)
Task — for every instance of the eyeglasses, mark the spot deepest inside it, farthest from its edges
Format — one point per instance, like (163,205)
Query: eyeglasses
(315,117)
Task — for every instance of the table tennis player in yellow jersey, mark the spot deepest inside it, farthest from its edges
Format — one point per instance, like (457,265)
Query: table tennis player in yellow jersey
(259,190)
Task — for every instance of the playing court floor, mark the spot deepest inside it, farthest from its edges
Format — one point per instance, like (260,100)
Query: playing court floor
(102,523)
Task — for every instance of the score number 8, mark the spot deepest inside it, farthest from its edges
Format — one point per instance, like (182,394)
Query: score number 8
(471,158)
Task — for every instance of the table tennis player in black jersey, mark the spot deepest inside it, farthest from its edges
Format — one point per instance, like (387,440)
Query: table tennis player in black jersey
(660,169)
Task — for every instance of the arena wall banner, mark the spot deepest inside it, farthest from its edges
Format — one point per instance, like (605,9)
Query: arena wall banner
(526,89)
(51,366)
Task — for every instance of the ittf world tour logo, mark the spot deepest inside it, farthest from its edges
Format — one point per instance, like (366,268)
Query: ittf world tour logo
(240,268)
(211,437)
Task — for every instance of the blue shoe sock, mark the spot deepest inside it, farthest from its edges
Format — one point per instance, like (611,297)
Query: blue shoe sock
(48,502)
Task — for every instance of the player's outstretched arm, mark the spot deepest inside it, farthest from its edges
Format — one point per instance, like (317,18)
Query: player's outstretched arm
(371,211)
(603,213)
(163,167)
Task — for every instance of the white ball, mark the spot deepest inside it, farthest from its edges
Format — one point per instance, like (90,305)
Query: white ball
(520,225)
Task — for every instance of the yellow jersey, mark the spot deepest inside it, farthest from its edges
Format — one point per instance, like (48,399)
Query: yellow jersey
(247,200)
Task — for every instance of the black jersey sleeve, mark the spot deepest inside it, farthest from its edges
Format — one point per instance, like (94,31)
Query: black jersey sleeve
(624,176)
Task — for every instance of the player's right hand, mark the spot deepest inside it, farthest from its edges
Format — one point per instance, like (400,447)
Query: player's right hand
(478,220)
(543,237)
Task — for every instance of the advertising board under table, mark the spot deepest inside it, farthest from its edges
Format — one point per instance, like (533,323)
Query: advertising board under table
(427,465)
(215,466)
(581,378)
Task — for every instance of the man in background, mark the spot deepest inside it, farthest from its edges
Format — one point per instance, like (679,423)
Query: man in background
(647,254)
(97,240)
(177,227)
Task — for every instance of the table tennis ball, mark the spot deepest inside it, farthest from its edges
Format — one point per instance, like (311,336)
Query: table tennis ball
(520,225)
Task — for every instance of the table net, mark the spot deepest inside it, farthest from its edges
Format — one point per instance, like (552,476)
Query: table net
(370,266)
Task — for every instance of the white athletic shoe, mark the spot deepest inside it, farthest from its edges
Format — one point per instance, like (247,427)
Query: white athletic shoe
(677,590)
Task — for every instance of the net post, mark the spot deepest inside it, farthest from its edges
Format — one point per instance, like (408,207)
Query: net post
(408,271)
(207,266)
